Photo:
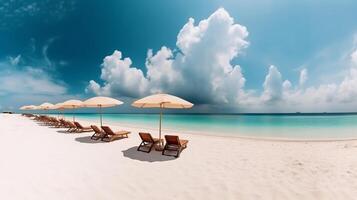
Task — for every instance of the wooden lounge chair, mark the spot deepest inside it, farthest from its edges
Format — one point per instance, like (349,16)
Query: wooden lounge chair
(147,141)
(55,122)
(98,133)
(111,135)
(71,127)
(63,124)
(173,143)
(81,129)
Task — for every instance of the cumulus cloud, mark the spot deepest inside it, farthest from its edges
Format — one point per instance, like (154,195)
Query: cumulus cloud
(273,86)
(160,70)
(203,63)
(303,77)
(329,96)
(354,57)
(120,77)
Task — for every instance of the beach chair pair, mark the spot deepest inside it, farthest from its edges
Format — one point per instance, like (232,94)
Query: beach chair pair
(106,134)
(173,144)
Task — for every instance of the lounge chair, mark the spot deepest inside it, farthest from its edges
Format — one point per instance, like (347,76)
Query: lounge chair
(71,127)
(63,124)
(147,141)
(55,122)
(111,135)
(98,134)
(173,143)
(81,128)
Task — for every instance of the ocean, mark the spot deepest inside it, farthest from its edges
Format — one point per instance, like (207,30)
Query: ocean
(284,126)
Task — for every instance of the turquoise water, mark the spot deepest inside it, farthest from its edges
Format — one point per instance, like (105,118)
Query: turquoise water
(279,126)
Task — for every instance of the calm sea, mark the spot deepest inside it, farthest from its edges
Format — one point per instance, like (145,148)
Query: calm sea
(294,126)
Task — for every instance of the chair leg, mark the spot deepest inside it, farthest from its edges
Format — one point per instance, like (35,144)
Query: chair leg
(178,152)
(150,148)
(138,149)
(163,150)
(104,137)
(94,137)
(142,144)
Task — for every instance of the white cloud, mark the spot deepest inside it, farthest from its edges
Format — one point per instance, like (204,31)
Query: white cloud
(120,78)
(324,97)
(303,77)
(27,80)
(160,70)
(203,63)
(273,86)
(354,57)
(15,60)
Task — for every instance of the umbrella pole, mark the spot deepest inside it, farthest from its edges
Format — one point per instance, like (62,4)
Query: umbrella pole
(160,126)
(101,120)
(73,115)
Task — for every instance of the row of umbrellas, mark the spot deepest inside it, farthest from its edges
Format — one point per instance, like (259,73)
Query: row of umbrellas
(161,101)
(95,102)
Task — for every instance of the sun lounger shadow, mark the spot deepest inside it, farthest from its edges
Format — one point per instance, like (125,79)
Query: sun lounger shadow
(88,140)
(153,156)
(62,131)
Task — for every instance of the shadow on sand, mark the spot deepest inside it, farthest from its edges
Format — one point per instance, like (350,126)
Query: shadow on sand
(87,140)
(153,156)
(63,131)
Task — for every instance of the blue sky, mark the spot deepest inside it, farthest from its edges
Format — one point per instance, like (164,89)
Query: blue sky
(292,56)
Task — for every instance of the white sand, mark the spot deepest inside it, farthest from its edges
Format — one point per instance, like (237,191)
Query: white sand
(38,162)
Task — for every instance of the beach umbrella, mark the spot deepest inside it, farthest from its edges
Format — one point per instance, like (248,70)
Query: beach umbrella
(71,104)
(101,102)
(162,101)
(57,106)
(44,106)
(29,107)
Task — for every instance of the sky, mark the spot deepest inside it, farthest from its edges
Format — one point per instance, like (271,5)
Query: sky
(222,55)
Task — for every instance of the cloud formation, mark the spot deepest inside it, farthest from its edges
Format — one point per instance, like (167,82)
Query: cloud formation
(303,77)
(273,86)
(121,78)
(202,63)
(27,80)
(324,97)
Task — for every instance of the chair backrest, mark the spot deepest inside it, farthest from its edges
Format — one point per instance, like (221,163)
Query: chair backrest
(172,139)
(146,137)
(78,125)
(71,124)
(96,129)
(108,130)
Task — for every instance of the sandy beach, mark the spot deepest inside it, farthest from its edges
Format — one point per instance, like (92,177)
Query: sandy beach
(38,162)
